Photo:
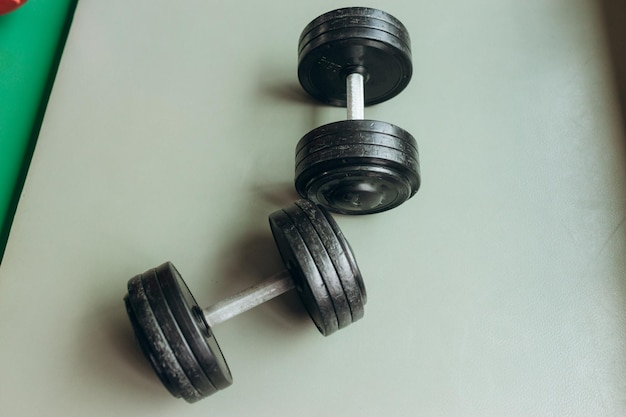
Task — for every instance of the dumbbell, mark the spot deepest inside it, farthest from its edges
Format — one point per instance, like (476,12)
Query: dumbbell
(356,57)
(176,335)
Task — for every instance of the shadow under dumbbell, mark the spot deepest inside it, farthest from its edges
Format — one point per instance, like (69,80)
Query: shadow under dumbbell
(109,350)
(278,194)
(291,92)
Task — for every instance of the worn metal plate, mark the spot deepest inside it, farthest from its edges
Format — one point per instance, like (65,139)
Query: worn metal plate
(323,263)
(357,39)
(340,255)
(309,283)
(197,333)
(357,166)
(154,344)
(174,336)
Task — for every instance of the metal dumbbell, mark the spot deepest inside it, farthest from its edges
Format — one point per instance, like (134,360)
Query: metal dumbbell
(355,57)
(176,335)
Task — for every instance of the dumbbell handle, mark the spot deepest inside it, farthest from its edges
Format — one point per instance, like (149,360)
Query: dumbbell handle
(249,298)
(355,96)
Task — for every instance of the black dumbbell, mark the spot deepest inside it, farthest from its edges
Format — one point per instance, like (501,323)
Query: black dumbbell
(176,335)
(355,57)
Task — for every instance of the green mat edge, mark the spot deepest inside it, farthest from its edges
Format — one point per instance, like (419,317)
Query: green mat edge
(36,127)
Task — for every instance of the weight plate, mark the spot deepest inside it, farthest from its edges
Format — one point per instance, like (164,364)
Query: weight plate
(372,156)
(347,23)
(353,12)
(308,281)
(190,320)
(341,42)
(386,68)
(357,166)
(362,138)
(354,17)
(355,189)
(359,154)
(146,349)
(323,263)
(352,283)
(347,132)
(347,249)
(155,345)
(173,334)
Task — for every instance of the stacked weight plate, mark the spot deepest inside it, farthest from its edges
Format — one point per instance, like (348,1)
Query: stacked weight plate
(357,166)
(320,261)
(174,338)
(354,39)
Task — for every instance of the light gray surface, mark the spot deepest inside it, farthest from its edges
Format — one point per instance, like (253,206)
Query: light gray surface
(170,134)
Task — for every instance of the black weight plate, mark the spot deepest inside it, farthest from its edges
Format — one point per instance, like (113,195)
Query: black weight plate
(355,189)
(355,18)
(352,284)
(348,251)
(353,22)
(386,154)
(155,345)
(352,12)
(363,40)
(357,166)
(323,263)
(347,127)
(173,334)
(360,130)
(309,284)
(358,154)
(363,138)
(194,328)
(146,349)
(385,64)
